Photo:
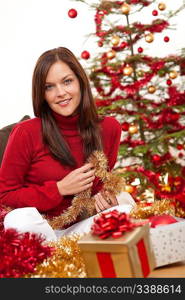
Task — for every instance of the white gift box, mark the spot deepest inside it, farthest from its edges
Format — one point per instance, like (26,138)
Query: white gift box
(168,242)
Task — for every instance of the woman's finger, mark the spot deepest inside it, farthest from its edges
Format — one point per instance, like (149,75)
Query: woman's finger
(111,198)
(97,207)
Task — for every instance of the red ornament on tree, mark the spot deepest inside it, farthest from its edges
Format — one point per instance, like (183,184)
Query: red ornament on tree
(125,126)
(166,39)
(156,158)
(72,13)
(154,12)
(168,82)
(85,54)
(140,50)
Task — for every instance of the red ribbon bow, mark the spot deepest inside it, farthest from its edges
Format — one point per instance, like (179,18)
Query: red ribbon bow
(113,224)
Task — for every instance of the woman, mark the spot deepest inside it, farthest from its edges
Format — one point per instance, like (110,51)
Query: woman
(44,164)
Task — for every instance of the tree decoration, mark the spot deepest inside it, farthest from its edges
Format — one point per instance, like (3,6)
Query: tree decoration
(154,12)
(166,39)
(85,54)
(168,82)
(162,6)
(151,89)
(129,188)
(115,40)
(140,50)
(72,13)
(149,38)
(125,8)
(133,129)
(173,74)
(128,70)
(111,54)
(148,97)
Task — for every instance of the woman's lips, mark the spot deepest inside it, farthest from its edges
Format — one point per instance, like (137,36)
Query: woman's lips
(64,102)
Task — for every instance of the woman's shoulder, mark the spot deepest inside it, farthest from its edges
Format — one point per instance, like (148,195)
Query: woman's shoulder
(30,124)
(30,127)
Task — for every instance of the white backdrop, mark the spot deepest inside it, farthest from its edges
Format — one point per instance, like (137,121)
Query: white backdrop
(30,27)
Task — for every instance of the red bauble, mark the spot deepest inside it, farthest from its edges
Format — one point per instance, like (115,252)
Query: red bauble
(156,157)
(140,50)
(166,39)
(180,147)
(100,43)
(123,45)
(125,126)
(168,82)
(154,12)
(72,13)
(161,220)
(85,54)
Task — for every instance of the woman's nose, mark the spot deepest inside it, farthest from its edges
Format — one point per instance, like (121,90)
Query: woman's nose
(60,90)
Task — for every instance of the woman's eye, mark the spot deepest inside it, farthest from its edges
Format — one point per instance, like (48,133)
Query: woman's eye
(48,87)
(67,81)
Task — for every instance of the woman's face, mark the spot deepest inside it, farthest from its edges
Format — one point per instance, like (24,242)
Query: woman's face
(62,89)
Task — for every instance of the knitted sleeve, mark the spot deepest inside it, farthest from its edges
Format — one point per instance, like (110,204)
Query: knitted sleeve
(14,192)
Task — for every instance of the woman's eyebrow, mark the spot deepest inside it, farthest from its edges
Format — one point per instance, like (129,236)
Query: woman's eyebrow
(63,78)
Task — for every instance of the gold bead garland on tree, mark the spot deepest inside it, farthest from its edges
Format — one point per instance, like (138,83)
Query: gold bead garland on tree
(83,201)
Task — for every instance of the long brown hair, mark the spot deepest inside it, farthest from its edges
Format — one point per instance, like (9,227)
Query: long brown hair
(88,116)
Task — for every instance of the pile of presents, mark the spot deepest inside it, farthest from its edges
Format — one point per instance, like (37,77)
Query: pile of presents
(118,244)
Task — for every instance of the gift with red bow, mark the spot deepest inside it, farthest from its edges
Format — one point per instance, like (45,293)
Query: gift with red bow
(117,246)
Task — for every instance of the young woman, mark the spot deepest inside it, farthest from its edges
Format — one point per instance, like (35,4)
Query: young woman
(44,164)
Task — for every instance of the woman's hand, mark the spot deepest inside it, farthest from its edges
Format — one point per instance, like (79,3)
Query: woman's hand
(77,181)
(104,200)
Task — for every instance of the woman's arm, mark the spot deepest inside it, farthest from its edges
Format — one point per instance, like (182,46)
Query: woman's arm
(16,162)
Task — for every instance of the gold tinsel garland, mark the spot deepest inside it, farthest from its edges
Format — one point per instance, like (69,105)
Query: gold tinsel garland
(66,261)
(83,201)
(145,210)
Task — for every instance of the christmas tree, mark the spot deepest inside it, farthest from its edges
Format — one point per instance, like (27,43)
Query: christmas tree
(144,92)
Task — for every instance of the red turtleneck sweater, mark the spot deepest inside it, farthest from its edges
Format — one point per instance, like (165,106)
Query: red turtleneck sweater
(29,174)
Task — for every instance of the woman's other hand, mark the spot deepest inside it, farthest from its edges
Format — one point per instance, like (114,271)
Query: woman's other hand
(77,181)
(104,200)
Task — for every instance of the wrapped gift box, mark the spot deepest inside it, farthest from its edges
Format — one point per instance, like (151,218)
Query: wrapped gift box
(127,256)
(168,242)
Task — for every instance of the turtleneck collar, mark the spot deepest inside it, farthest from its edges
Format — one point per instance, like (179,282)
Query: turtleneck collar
(68,125)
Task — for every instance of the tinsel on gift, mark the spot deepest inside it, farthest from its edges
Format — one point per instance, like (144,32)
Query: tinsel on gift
(144,92)
(20,253)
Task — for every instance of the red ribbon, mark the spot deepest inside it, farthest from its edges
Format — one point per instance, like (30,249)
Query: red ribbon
(113,224)
(143,258)
(106,264)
